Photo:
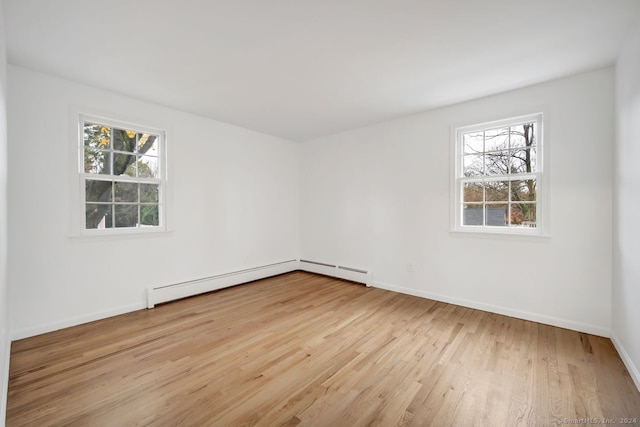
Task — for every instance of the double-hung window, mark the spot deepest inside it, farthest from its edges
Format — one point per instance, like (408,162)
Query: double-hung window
(122,176)
(499,178)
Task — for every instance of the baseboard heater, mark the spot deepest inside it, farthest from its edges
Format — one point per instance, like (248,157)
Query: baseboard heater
(357,275)
(160,294)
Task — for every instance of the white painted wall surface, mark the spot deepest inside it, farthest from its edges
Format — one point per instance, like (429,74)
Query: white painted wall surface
(626,230)
(234,206)
(5,343)
(378,198)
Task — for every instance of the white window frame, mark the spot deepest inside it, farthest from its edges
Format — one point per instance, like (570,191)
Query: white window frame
(540,174)
(161,181)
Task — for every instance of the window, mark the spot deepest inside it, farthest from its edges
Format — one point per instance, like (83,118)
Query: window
(122,174)
(499,177)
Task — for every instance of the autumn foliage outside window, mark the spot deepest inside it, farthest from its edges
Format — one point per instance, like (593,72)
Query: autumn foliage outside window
(122,176)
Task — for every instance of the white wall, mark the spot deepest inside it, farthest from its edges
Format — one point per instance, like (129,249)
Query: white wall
(234,195)
(5,344)
(626,231)
(378,198)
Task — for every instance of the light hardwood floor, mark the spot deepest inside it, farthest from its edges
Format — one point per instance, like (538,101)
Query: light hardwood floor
(311,350)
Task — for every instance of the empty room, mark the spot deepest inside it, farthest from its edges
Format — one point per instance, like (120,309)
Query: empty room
(324,213)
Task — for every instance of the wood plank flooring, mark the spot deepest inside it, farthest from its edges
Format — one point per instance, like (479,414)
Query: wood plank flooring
(311,350)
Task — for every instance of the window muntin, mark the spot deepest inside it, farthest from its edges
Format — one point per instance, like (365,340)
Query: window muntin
(122,176)
(499,176)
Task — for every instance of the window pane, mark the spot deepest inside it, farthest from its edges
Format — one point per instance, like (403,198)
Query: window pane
(97,161)
(497,191)
(98,216)
(496,215)
(497,163)
(496,139)
(147,144)
(473,165)
(472,214)
(523,215)
(149,193)
(126,215)
(148,167)
(124,140)
(124,164)
(473,192)
(523,135)
(524,160)
(523,190)
(127,158)
(499,173)
(97,136)
(98,191)
(473,142)
(126,191)
(149,215)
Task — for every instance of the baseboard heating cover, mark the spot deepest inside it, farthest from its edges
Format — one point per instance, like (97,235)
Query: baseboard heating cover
(160,294)
(358,275)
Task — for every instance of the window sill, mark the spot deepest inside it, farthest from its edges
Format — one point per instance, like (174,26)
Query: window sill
(120,234)
(500,235)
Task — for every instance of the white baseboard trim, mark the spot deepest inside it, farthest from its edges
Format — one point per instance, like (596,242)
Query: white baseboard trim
(160,294)
(357,275)
(525,315)
(74,321)
(626,359)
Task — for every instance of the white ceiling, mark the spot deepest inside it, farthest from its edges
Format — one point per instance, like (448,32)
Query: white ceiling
(300,69)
